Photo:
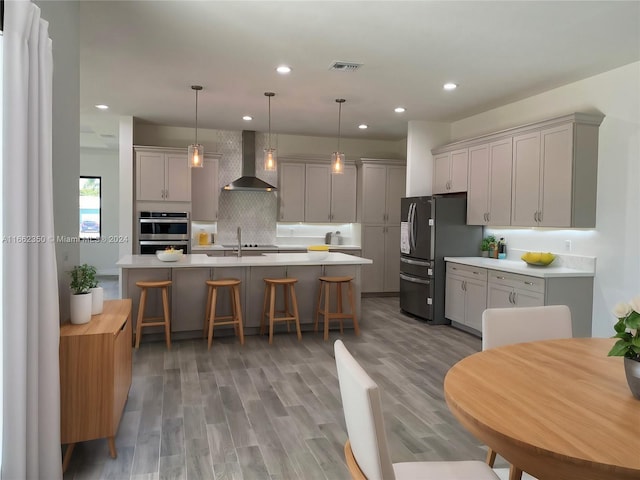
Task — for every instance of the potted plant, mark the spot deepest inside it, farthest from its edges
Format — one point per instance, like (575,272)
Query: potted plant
(97,292)
(628,345)
(484,246)
(80,302)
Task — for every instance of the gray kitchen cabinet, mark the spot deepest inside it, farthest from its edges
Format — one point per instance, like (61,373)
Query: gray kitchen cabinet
(489,192)
(555,176)
(309,192)
(307,289)
(465,295)
(291,192)
(382,188)
(381,243)
(205,190)
(189,303)
(162,175)
(450,171)
(513,290)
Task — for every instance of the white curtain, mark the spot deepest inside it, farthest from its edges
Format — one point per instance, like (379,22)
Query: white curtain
(31,330)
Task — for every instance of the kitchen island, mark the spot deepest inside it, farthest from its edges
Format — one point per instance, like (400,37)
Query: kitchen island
(189,292)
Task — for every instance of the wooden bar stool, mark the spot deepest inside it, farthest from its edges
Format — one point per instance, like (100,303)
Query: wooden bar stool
(154,321)
(323,309)
(269,305)
(212,320)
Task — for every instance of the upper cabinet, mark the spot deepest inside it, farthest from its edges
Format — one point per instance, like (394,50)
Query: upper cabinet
(450,171)
(382,188)
(309,192)
(489,194)
(162,175)
(205,190)
(538,175)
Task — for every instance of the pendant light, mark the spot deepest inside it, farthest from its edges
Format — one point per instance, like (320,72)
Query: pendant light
(196,151)
(269,153)
(337,158)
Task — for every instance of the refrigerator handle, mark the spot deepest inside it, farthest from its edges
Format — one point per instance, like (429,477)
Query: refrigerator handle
(414,280)
(410,222)
(414,232)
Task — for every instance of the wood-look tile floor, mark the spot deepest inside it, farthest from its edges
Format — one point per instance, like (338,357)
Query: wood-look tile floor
(263,411)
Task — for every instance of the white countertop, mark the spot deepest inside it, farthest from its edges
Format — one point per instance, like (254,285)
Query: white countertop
(265,260)
(218,247)
(519,266)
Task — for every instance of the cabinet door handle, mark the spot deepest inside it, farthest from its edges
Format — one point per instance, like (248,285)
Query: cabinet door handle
(528,283)
(464,285)
(167,194)
(540,215)
(499,277)
(514,298)
(510,297)
(488,216)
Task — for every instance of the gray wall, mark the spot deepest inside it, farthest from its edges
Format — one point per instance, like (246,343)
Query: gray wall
(63,18)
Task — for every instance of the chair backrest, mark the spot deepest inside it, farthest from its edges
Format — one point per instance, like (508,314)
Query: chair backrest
(504,326)
(363,416)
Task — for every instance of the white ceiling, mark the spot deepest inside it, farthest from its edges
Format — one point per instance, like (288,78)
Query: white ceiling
(141,57)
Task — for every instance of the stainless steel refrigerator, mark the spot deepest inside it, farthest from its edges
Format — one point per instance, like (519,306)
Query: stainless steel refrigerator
(432,228)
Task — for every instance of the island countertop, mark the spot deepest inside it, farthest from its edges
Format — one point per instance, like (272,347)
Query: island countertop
(264,260)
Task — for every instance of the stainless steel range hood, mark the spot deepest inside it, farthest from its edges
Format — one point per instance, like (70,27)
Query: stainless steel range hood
(248,181)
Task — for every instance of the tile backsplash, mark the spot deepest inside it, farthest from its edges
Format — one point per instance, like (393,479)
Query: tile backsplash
(254,212)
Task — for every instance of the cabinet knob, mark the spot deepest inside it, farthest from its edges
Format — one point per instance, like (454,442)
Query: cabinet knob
(528,283)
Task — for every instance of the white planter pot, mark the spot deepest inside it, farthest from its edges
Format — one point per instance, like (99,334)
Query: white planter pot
(97,300)
(80,306)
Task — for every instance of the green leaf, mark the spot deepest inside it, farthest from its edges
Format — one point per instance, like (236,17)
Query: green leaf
(635,341)
(633,320)
(620,326)
(626,336)
(619,349)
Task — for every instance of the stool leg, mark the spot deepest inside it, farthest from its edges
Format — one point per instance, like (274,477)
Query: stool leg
(167,321)
(265,312)
(294,301)
(339,289)
(315,324)
(287,313)
(238,313)
(206,313)
(356,328)
(143,299)
(326,312)
(234,313)
(212,315)
(272,307)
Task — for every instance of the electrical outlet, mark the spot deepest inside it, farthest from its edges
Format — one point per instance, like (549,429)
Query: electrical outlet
(567,245)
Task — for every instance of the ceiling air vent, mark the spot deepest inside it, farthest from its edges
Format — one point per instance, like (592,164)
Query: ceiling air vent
(345,66)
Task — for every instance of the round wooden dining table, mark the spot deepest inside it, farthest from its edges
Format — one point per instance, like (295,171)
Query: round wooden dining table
(557,409)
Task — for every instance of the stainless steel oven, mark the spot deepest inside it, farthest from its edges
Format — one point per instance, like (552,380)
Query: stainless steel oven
(159,230)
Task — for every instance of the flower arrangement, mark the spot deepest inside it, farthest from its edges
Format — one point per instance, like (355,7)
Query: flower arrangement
(627,330)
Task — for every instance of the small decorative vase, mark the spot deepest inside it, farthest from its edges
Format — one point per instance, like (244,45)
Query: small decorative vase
(80,308)
(97,300)
(632,370)
(484,253)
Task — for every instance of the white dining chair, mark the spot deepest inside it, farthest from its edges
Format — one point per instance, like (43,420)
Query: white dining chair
(366,451)
(505,326)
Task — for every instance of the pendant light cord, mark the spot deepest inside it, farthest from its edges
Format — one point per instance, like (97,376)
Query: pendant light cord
(196,117)
(269,97)
(339,116)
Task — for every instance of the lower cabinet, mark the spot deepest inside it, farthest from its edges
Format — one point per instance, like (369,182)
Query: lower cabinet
(95,376)
(381,244)
(466,295)
(469,290)
(512,290)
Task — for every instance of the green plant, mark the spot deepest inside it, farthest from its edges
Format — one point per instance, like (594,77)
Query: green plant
(83,277)
(627,330)
(484,246)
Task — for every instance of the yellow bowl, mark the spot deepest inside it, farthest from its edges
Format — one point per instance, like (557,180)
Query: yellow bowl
(318,248)
(541,259)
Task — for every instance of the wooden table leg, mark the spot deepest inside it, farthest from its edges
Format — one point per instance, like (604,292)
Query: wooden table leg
(67,456)
(515,473)
(112,447)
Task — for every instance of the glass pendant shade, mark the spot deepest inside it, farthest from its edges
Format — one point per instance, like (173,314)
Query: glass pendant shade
(337,162)
(196,151)
(270,159)
(196,155)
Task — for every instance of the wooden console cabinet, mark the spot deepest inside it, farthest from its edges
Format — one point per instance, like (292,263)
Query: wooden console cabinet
(95,376)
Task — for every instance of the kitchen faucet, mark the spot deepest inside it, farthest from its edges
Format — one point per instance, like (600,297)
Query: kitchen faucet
(239,242)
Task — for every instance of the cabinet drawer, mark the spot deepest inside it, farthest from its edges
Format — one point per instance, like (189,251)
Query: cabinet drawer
(513,280)
(466,271)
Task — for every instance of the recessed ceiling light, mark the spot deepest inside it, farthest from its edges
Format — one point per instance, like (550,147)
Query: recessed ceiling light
(283,69)
(399,109)
(450,86)
(363,126)
(247,118)
(102,107)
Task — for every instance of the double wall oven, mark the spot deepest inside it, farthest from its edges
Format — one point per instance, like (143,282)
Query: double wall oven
(160,230)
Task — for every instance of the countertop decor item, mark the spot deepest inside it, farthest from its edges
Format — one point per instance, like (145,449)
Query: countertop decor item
(628,345)
(484,245)
(82,280)
(317,252)
(541,259)
(169,255)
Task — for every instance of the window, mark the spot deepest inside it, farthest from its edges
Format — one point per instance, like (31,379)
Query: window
(90,208)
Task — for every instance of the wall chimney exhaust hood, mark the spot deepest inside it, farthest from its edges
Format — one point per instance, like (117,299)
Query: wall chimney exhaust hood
(248,181)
